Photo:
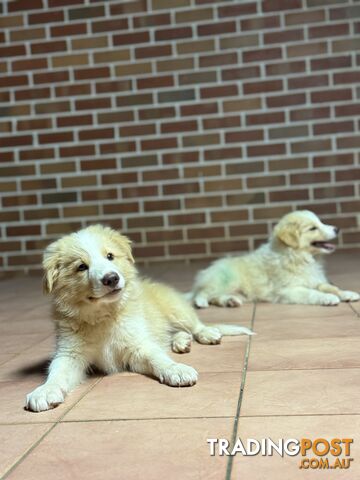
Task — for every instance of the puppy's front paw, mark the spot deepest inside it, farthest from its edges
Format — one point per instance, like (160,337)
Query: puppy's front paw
(230,301)
(43,398)
(179,375)
(349,296)
(329,299)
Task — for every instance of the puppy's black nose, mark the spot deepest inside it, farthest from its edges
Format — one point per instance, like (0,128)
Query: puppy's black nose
(110,279)
(337,230)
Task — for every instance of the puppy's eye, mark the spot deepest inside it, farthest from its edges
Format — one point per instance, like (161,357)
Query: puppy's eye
(110,256)
(82,267)
(313,228)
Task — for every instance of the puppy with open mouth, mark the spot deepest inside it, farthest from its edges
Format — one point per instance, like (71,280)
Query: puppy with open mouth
(106,316)
(284,270)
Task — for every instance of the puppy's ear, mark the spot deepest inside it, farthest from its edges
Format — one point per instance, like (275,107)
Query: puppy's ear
(124,243)
(287,233)
(51,267)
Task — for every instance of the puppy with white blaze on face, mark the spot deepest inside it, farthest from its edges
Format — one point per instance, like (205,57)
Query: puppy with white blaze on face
(287,269)
(108,317)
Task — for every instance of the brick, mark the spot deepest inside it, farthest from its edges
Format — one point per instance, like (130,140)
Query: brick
(46,17)
(346,110)
(74,120)
(333,127)
(143,191)
(278,5)
(176,96)
(215,60)
(128,7)
(241,168)
(48,47)
(347,77)
(330,63)
(261,54)
(260,23)
(70,60)
(62,228)
(239,42)
(51,77)
(245,198)
(109,25)
(203,202)
(35,124)
(229,246)
(89,43)
(198,109)
(40,184)
(289,132)
(16,141)
(347,175)
(27,34)
(61,167)
(185,219)
(223,153)
(270,212)
(155,82)
(264,118)
(92,104)
(222,122)
(308,81)
(23,230)
(90,73)
(331,96)
(173,33)
(96,133)
(159,143)
(137,130)
(285,100)
(193,15)
(151,20)
(328,30)
(344,12)
(37,154)
(34,64)
(33,93)
(198,140)
(333,160)
(334,191)
(237,10)
(259,87)
(304,17)
(115,117)
(117,147)
(260,150)
(68,30)
(284,68)
(203,171)
(20,5)
(311,178)
(242,105)
(181,188)
(248,229)
(309,113)
(348,142)
(266,181)
(200,77)
(244,136)
(158,51)
(216,28)
(229,216)
(72,90)
(7,21)
(136,99)
(161,205)
(103,194)
(101,164)
(139,161)
(195,46)
(288,195)
(223,91)
(284,36)
(345,45)
(123,207)
(185,126)
(13,81)
(306,49)
(86,12)
(131,38)
(154,113)
(240,73)
(180,157)
(77,150)
(311,146)
(163,174)
(55,137)
(174,65)
(78,181)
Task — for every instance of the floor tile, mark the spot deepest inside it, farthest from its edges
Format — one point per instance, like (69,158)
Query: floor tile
(131,450)
(138,397)
(12,401)
(302,392)
(15,440)
(226,357)
(275,467)
(304,353)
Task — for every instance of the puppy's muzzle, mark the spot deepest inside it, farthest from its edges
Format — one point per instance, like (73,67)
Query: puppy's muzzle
(110,280)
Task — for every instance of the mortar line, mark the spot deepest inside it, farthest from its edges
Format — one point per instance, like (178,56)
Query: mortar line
(240,398)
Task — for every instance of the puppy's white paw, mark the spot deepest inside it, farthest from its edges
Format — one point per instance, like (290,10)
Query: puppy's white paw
(349,296)
(231,301)
(209,336)
(201,302)
(44,397)
(179,375)
(181,342)
(329,299)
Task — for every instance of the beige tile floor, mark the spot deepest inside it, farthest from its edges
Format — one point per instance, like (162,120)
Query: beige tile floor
(298,377)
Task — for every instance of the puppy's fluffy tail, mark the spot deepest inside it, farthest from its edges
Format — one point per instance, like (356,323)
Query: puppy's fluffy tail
(229,330)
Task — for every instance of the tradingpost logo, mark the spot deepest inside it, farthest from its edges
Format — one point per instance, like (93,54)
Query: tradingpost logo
(317,454)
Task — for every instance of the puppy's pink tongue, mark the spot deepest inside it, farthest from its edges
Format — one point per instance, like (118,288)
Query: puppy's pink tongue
(329,246)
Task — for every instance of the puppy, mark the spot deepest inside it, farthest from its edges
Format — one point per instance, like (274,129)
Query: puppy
(106,316)
(284,270)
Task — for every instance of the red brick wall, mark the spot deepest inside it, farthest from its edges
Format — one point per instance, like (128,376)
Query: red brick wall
(192,125)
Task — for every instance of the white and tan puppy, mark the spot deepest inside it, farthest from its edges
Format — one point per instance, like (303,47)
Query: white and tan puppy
(107,316)
(284,270)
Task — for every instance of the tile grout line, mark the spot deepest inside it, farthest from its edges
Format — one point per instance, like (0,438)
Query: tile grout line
(241,394)
(357,314)
(34,445)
